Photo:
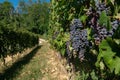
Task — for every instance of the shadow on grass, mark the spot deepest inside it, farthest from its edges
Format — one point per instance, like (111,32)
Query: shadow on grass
(17,66)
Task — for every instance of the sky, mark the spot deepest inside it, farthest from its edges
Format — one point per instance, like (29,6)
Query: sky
(15,2)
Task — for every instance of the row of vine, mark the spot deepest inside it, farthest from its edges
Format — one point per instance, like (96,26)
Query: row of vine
(13,40)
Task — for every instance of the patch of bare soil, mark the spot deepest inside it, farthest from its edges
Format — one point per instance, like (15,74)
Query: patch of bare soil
(54,68)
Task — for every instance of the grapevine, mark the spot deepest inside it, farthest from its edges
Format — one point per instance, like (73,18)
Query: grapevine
(79,35)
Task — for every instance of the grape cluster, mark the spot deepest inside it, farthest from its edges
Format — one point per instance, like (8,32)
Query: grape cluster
(102,7)
(94,13)
(78,34)
(92,17)
(99,31)
(102,33)
(115,25)
(98,9)
(78,37)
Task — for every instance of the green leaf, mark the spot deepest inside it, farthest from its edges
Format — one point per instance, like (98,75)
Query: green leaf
(83,18)
(117,41)
(89,31)
(108,56)
(104,20)
(71,15)
(116,65)
(62,52)
(102,65)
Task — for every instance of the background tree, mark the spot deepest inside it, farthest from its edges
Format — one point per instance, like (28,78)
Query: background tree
(35,15)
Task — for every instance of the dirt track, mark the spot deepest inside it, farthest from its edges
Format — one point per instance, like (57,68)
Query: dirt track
(43,63)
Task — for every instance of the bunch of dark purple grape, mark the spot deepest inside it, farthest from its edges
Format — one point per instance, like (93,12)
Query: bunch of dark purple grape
(102,7)
(115,24)
(94,13)
(78,38)
(99,7)
(78,34)
(100,32)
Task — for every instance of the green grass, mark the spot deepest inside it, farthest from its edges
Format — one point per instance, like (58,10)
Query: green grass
(33,70)
(29,67)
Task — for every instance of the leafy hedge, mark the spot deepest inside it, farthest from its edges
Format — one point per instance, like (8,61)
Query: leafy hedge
(13,40)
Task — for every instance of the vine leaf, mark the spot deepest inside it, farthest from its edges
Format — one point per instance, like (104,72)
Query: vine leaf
(83,18)
(105,20)
(117,41)
(109,57)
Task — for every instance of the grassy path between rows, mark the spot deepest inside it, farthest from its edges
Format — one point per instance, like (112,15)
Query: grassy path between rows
(43,63)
